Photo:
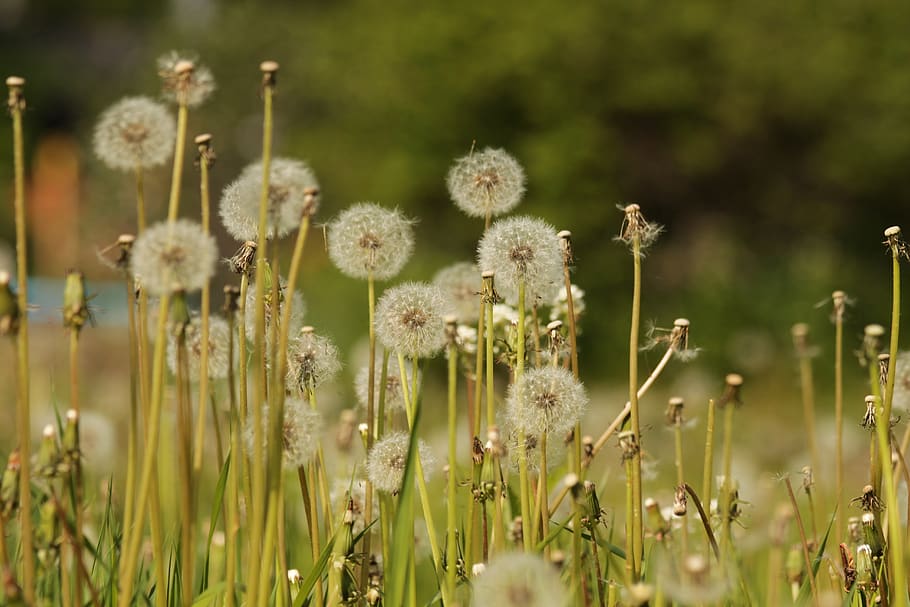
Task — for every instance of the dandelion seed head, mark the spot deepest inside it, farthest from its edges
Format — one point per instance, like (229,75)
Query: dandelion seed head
(182,76)
(484,183)
(523,249)
(519,580)
(546,399)
(460,282)
(291,184)
(219,338)
(901,398)
(135,133)
(388,457)
(410,319)
(312,360)
(174,256)
(367,238)
(300,436)
(394,395)
(556,450)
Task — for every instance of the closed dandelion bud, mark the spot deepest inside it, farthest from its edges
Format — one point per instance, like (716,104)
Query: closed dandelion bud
(135,133)
(394,395)
(75,305)
(301,430)
(523,250)
(865,570)
(369,240)
(872,534)
(9,307)
(169,257)
(795,565)
(218,342)
(546,399)
(183,80)
(9,486)
(48,453)
(71,436)
(312,360)
(387,459)
(639,594)
(486,183)
(47,536)
(244,260)
(294,578)
(519,580)
(658,525)
(410,319)
(290,197)
(460,285)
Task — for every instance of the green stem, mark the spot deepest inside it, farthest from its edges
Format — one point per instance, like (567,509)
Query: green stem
(233,516)
(680,481)
(371,433)
(727,488)
(637,528)
(184,462)
(133,432)
(80,489)
(205,304)
(839,423)
(173,206)
(140,200)
(524,484)
(451,545)
(707,479)
(23,412)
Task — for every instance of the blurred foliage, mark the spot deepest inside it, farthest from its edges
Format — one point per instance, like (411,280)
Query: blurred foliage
(770,138)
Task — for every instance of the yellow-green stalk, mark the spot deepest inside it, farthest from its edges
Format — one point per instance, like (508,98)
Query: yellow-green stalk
(524,483)
(675,420)
(451,521)
(232,525)
(707,479)
(839,299)
(16,105)
(728,401)
(800,333)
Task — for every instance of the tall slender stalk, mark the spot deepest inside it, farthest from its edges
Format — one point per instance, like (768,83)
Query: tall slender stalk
(451,522)
(16,105)
(839,299)
(524,484)
(800,333)
(637,528)
(728,401)
(371,431)
(898,248)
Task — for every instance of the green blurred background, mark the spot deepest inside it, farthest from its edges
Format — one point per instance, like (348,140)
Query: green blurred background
(770,138)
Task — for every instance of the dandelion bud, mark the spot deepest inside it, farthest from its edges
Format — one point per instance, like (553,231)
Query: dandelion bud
(204,148)
(410,319)
(872,534)
(865,570)
(48,453)
(294,577)
(183,80)
(387,459)
(172,256)
(9,307)
(16,100)
(135,133)
(546,399)
(289,194)
(9,486)
(658,525)
(523,250)
(674,412)
(75,305)
(124,246)
(872,340)
(312,360)
(486,183)
(71,435)
(839,301)
(301,430)
(732,384)
(244,260)
(369,240)
(218,342)
(269,71)
(795,566)
(459,284)
(519,580)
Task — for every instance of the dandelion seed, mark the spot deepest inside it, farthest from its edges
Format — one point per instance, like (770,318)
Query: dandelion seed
(367,238)
(169,257)
(460,282)
(519,580)
(184,80)
(636,227)
(292,194)
(388,457)
(484,183)
(523,249)
(410,319)
(394,396)
(546,399)
(219,338)
(312,360)
(134,133)
(300,436)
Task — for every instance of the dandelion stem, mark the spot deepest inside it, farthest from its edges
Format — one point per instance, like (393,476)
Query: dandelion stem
(23,412)
(839,301)
(371,396)
(77,472)
(312,517)
(184,462)
(140,200)
(681,480)
(133,432)
(451,542)
(707,479)
(802,537)
(204,305)
(637,529)
(524,484)
(173,206)
(724,506)
(478,371)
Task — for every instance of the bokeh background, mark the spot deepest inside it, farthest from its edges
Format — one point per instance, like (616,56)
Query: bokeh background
(770,138)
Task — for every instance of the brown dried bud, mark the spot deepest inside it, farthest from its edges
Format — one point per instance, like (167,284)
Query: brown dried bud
(732,385)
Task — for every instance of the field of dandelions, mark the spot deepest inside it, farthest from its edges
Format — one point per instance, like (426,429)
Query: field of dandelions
(232,486)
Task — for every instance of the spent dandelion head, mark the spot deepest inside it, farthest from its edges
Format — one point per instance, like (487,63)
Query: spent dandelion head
(312,360)
(732,387)
(135,133)
(219,338)
(872,344)
(895,243)
(367,239)
(636,228)
(546,399)
(410,319)
(174,256)
(519,580)
(293,194)
(387,459)
(460,282)
(394,395)
(674,412)
(183,80)
(523,250)
(301,432)
(486,183)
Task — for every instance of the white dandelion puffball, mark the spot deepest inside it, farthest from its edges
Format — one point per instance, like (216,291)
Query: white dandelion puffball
(519,580)
(301,432)
(135,133)
(461,284)
(169,257)
(312,360)
(195,87)
(386,461)
(367,238)
(901,398)
(484,183)
(523,249)
(546,399)
(219,339)
(394,395)
(410,319)
(290,182)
